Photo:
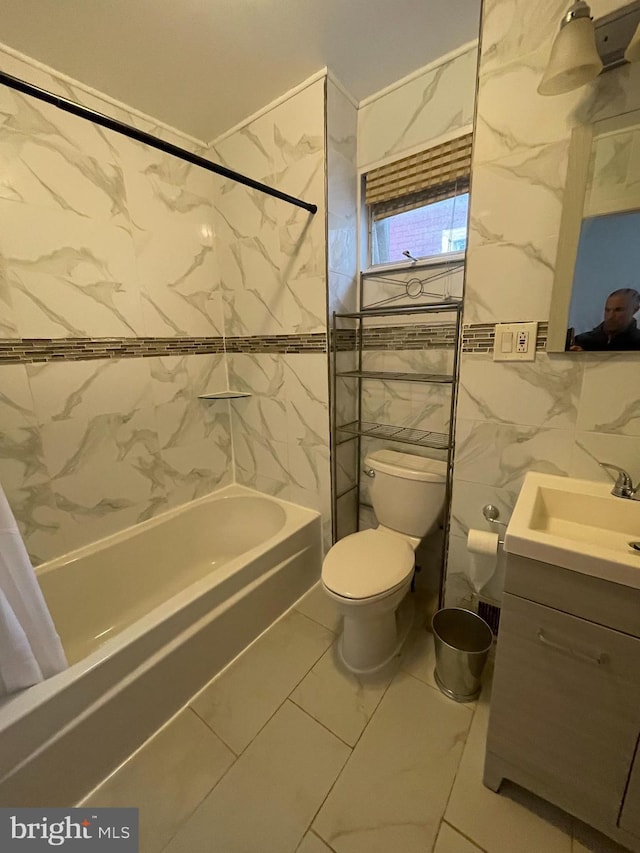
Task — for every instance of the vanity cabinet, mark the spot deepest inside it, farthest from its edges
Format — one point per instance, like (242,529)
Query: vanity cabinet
(565,707)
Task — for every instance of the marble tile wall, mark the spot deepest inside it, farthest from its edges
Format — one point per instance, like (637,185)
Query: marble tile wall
(342,199)
(89,448)
(614,179)
(281,433)
(561,413)
(273,281)
(271,255)
(100,237)
(436,102)
(342,264)
(124,246)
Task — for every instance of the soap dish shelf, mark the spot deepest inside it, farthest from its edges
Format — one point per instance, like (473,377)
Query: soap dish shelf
(224,395)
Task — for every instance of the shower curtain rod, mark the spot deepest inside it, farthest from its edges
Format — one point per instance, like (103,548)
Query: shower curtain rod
(140,136)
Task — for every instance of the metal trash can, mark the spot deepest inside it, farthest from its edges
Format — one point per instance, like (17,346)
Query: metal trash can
(462,640)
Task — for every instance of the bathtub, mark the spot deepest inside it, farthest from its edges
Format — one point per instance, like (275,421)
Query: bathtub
(147,617)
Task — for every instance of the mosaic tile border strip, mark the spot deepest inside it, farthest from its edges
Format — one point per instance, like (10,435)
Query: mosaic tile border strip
(419,336)
(30,350)
(479,337)
(409,336)
(476,338)
(313,342)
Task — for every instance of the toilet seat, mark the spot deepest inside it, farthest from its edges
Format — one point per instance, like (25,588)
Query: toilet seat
(367,564)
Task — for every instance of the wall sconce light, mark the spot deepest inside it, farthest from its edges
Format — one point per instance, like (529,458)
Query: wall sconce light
(632,53)
(583,48)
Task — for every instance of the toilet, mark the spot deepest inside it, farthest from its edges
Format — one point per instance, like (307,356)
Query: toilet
(368,574)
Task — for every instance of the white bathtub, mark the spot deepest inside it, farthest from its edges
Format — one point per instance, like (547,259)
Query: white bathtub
(147,617)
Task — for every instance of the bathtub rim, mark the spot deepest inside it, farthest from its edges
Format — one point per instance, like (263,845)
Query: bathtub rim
(229,491)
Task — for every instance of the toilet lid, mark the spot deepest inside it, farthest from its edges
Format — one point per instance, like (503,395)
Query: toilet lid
(367,563)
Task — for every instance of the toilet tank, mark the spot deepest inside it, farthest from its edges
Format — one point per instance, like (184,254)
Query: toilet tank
(407,491)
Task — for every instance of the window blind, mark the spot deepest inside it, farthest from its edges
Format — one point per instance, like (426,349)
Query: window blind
(432,175)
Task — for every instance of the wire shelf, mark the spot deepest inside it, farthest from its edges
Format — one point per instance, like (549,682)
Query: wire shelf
(419,437)
(437,378)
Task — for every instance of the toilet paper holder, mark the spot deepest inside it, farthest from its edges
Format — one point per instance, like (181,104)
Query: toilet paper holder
(492,514)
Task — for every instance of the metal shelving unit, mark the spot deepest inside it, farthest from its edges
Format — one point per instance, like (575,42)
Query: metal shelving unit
(353,431)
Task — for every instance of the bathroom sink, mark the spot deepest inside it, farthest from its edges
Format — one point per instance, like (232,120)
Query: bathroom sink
(576,524)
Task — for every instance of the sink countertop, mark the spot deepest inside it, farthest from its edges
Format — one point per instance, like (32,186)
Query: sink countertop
(576,524)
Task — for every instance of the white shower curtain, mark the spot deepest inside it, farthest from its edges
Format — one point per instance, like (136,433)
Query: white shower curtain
(30,648)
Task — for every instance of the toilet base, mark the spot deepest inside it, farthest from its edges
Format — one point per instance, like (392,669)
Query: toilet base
(367,644)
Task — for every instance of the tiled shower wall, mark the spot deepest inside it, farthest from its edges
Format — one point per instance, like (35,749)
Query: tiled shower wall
(561,413)
(103,237)
(273,276)
(342,263)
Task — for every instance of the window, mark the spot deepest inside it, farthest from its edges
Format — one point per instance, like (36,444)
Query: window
(455,239)
(420,204)
(435,229)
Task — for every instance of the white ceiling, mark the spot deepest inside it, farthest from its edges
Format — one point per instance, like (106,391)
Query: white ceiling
(204,65)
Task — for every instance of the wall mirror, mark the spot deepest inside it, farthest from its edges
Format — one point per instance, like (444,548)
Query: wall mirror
(596,293)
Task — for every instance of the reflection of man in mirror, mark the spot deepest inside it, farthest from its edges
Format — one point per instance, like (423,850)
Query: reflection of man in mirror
(618,330)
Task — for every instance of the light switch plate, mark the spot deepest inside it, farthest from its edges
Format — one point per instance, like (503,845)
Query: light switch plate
(515,342)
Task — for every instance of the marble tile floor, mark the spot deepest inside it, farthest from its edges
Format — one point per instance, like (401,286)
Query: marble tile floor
(286,751)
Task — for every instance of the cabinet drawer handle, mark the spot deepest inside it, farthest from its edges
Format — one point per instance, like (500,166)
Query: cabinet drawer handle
(598,658)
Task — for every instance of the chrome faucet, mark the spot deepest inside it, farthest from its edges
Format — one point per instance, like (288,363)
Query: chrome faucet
(623,486)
